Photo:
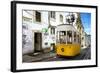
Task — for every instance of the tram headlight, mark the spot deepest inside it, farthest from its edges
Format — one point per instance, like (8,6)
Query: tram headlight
(62,49)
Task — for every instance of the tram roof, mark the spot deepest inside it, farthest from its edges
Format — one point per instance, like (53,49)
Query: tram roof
(66,27)
(64,24)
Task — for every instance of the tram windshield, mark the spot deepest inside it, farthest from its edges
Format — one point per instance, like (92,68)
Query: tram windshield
(67,37)
(62,37)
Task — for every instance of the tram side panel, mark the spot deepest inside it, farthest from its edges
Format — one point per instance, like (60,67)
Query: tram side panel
(68,50)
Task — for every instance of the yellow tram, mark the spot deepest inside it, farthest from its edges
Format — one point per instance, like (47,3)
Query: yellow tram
(68,41)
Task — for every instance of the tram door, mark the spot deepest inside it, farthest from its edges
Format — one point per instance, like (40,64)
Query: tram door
(37,42)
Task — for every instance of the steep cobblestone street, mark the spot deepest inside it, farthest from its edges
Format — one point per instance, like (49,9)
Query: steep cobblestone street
(51,56)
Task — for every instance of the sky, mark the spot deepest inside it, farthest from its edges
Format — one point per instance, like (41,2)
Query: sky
(86,21)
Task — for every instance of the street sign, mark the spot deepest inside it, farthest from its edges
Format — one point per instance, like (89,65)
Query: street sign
(45,30)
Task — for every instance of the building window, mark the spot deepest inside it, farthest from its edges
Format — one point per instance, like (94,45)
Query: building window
(46,43)
(82,38)
(52,14)
(38,16)
(52,30)
(61,18)
(68,19)
(78,39)
(27,19)
(81,45)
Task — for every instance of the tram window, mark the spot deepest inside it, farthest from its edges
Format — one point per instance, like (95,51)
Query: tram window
(74,36)
(62,37)
(69,37)
(63,33)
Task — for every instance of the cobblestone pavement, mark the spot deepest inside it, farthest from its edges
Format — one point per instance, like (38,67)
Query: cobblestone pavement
(85,54)
(51,56)
(39,57)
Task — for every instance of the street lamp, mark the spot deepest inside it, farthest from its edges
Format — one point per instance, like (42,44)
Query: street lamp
(70,18)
